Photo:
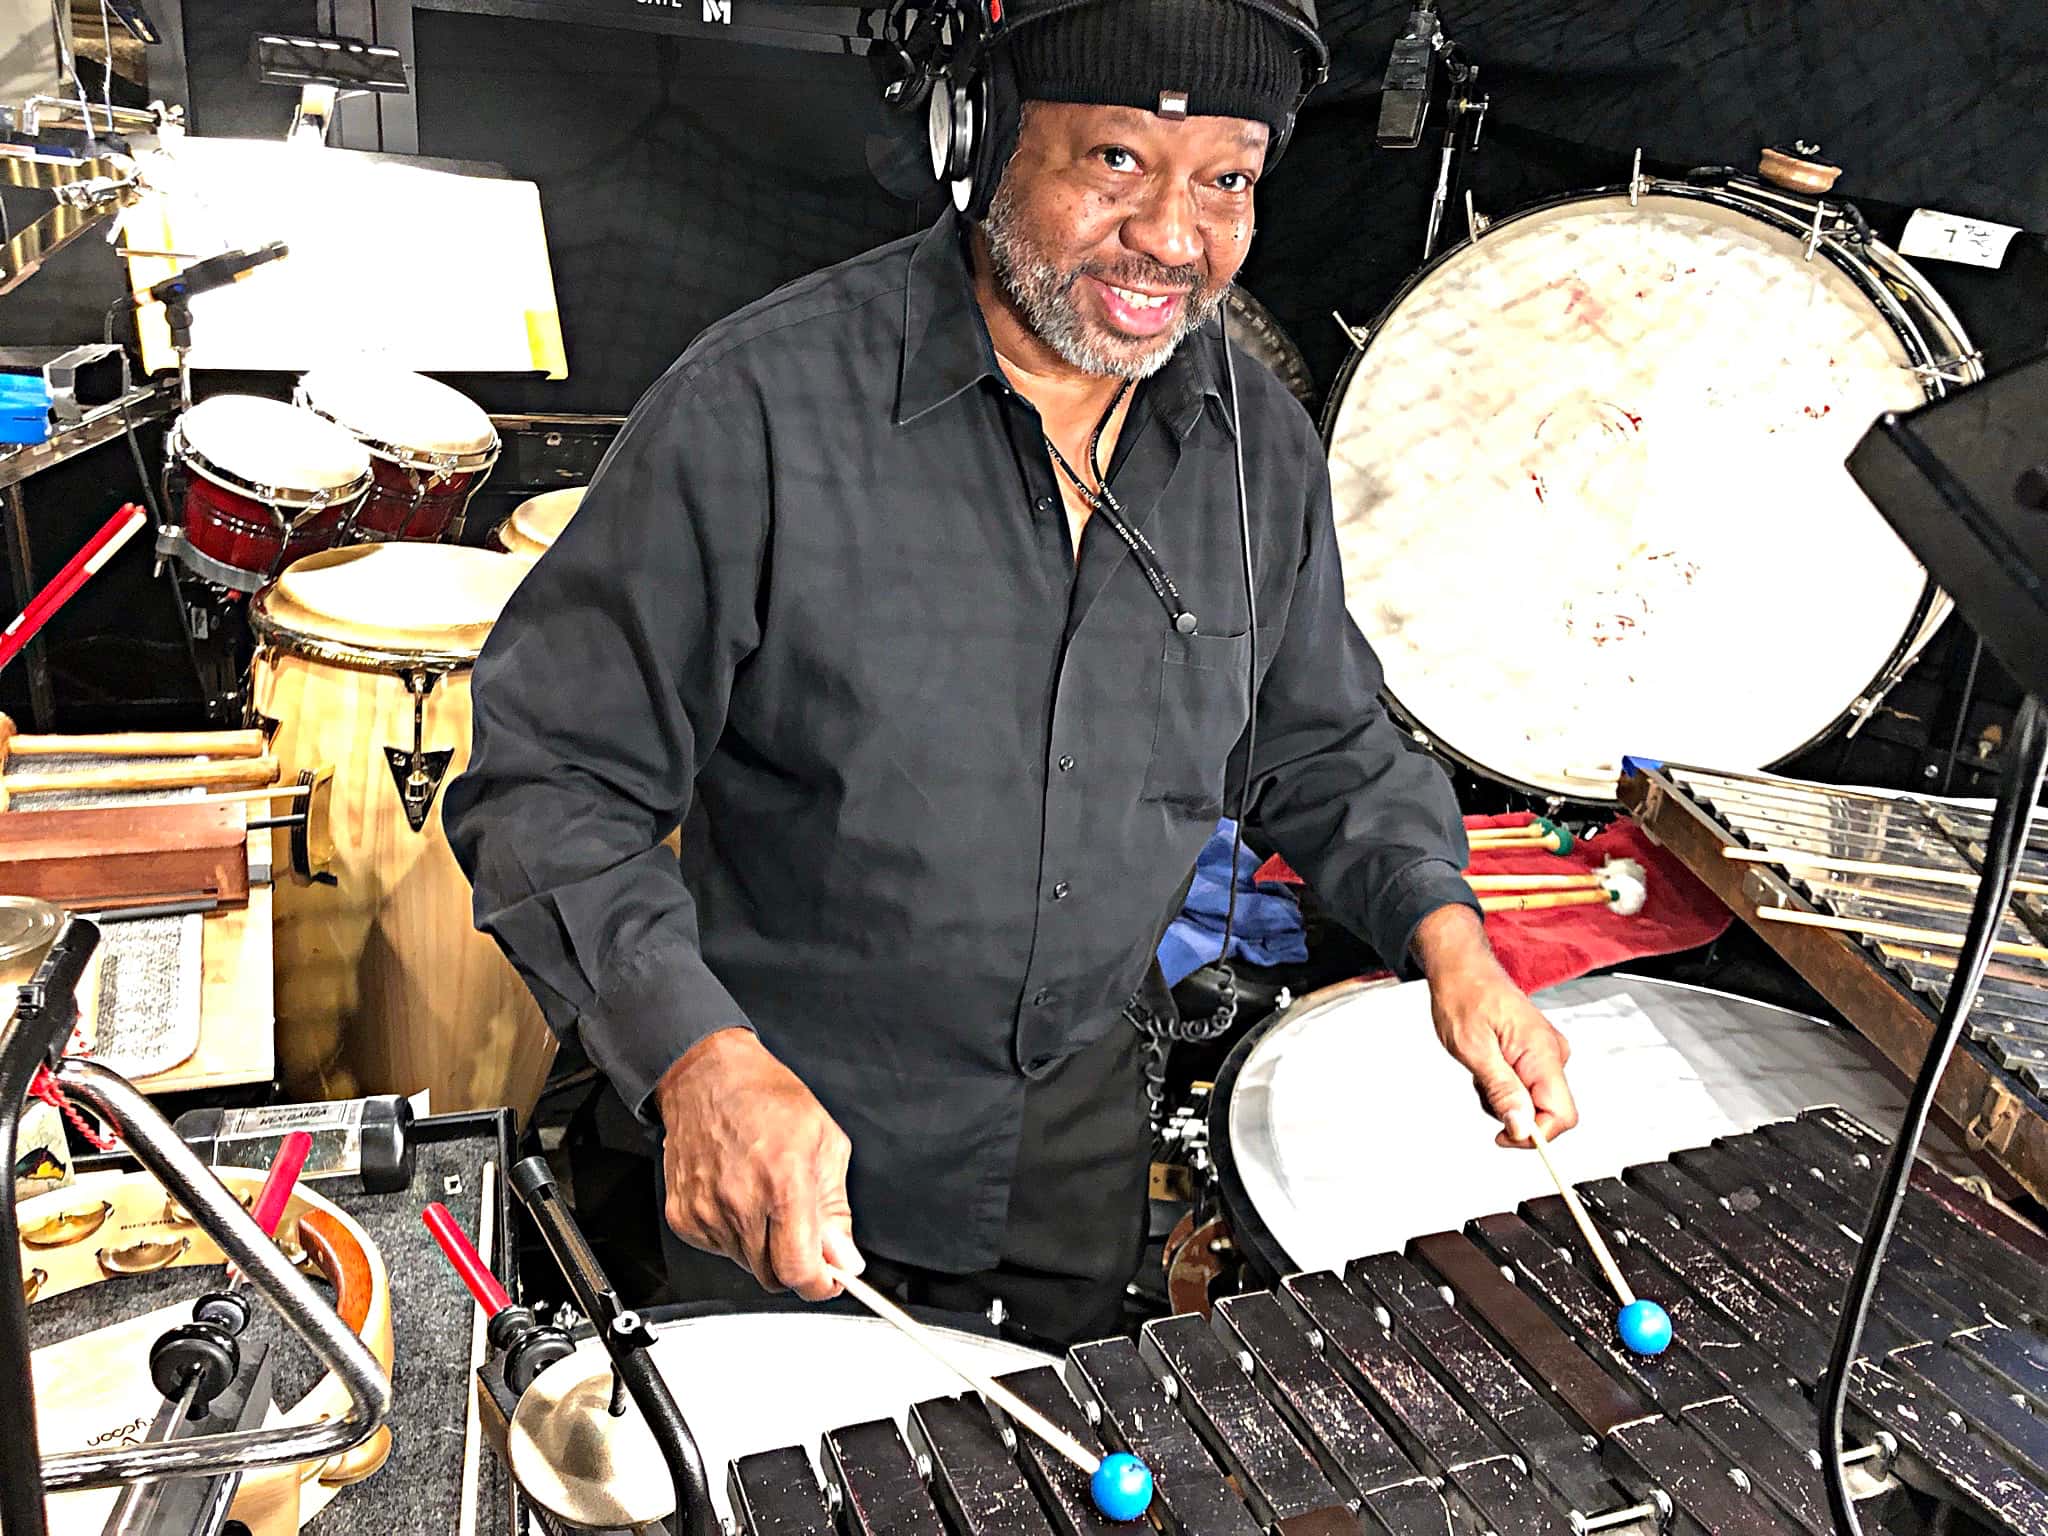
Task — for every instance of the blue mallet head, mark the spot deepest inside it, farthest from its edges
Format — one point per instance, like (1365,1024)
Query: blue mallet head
(1645,1327)
(1122,1486)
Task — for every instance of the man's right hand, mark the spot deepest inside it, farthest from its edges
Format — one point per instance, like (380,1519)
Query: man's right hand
(756,1169)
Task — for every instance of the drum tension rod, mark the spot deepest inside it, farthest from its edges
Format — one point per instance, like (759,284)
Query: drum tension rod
(1656,1507)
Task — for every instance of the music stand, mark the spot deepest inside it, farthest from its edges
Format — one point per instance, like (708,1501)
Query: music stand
(1964,481)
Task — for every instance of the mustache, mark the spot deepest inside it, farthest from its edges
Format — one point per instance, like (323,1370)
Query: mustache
(1143,274)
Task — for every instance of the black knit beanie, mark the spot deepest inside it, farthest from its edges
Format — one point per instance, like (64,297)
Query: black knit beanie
(1194,58)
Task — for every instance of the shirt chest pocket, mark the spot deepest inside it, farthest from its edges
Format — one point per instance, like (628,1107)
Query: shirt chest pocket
(1199,718)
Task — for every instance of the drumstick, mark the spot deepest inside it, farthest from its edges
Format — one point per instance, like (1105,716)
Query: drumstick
(1898,932)
(81,568)
(1120,1484)
(472,1443)
(1792,859)
(1645,1327)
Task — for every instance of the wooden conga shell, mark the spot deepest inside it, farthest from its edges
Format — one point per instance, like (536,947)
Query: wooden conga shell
(383,983)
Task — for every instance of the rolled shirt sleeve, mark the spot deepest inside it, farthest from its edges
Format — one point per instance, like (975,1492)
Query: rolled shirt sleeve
(601,691)
(1370,823)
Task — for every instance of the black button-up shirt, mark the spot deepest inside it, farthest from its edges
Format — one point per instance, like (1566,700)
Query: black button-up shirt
(948,783)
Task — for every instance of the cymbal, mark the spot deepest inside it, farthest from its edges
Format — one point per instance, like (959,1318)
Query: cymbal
(572,1458)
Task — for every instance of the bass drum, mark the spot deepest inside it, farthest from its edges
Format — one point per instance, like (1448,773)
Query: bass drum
(1341,1127)
(746,1382)
(1589,484)
(1253,327)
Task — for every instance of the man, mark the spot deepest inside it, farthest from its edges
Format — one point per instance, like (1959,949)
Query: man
(920,582)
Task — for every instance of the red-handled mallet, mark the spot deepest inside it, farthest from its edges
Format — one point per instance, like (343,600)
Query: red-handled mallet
(465,1260)
(277,1189)
(529,1346)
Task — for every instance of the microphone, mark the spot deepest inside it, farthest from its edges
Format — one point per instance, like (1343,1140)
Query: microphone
(214,272)
(1410,76)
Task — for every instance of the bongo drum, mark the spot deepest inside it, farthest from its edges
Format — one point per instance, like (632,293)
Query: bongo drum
(430,447)
(265,483)
(1585,456)
(383,985)
(538,521)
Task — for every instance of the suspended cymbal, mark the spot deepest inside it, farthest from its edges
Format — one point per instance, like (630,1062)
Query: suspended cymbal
(577,1462)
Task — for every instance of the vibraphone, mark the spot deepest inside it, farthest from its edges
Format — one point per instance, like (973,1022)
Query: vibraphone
(1473,1384)
(1891,878)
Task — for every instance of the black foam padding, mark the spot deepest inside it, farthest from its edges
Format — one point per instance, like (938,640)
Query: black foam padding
(419,1488)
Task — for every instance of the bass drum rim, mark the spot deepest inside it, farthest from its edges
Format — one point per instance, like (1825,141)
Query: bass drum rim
(1880,275)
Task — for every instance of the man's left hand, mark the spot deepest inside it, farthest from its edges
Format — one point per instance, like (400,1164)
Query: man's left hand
(1515,1055)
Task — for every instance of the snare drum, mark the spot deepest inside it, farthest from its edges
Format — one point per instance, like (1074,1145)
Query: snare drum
(265,483)
(750,1382)
(1340,1126)
(1589,486)
(538,521)
(383,985)
(430,447)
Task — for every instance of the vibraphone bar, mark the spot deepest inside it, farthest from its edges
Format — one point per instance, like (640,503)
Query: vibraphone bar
(1783,853)
(1474,1383)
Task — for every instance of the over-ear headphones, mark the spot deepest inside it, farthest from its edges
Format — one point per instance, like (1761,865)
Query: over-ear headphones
(946,60)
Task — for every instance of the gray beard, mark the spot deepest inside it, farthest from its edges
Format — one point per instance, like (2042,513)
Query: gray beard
(1044,296)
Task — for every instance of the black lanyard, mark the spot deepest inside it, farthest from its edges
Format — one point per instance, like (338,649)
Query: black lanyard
(1102,500)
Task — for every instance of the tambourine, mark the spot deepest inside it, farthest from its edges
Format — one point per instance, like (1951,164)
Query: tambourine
(95,1389)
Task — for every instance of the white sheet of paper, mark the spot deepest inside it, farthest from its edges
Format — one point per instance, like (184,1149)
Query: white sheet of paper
(1354,1131)
(390,262)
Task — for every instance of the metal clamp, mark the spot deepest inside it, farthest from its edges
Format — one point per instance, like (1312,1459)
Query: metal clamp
(1996,1122)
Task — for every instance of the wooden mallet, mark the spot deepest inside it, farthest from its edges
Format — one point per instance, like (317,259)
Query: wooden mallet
(14,743)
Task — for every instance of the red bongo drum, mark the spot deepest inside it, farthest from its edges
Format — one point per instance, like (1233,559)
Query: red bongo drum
(430,447)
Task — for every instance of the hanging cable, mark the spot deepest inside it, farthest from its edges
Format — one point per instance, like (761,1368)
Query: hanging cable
(2019,792)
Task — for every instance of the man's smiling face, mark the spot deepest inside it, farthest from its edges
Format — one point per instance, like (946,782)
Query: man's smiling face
(1115,232)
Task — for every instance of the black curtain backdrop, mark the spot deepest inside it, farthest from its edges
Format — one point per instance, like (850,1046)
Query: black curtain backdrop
(684,178)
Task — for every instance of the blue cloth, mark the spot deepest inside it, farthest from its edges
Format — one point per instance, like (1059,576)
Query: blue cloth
(1268,929)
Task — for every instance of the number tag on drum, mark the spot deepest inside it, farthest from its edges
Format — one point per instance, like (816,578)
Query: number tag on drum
(1951,237)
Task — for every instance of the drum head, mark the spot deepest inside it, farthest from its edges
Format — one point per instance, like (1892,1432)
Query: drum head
(754,1382)
(406,411)
(537,522)
(1591,500)
(1342,1128)
(266,443)
(389,599)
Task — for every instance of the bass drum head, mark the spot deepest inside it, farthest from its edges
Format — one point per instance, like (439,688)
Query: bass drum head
(761,1381)
(389,599)
(1341,1128)
(1590,494)
(1253,328)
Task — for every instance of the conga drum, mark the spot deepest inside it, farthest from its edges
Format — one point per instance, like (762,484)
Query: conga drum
(430,446)
(538,521)
(383,985)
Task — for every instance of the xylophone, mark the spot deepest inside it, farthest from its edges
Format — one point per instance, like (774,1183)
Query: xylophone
(1867,896)
(1474,1383)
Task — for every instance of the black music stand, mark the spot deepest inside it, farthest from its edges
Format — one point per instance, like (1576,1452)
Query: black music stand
(1965,483)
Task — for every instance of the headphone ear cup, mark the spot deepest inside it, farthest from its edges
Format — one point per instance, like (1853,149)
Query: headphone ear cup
(998,115)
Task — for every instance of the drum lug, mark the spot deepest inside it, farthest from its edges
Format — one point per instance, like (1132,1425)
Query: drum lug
(418,772)
(1357,335)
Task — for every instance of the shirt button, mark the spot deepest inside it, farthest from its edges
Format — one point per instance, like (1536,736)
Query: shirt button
(1067,762)
(1040,998)
(1044,503)
(1059,892)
